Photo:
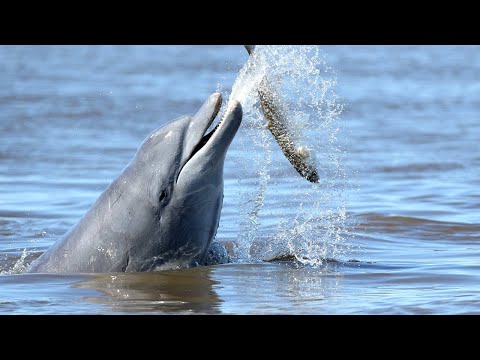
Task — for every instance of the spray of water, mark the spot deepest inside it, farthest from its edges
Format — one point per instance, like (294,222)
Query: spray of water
(20,266)
(310,226)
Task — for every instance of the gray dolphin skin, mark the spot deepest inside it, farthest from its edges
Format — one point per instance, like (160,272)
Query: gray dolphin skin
(299,157)
(163,210)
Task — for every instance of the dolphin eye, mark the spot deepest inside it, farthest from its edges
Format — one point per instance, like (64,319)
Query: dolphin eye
(163,195)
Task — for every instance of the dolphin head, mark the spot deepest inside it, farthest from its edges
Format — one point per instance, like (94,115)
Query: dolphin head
(183,193)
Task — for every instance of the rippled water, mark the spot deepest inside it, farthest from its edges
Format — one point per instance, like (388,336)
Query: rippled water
(73,116)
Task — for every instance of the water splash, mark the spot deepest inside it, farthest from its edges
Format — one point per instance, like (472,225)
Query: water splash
(312,225)
(20,266)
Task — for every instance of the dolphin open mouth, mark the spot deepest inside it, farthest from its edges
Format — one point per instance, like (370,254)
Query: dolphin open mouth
(207,136)
(200,124)
(216,141)
(222,134)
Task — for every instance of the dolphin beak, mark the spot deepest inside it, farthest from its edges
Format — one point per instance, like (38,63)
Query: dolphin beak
(220,137)
(208,111)
(201,121)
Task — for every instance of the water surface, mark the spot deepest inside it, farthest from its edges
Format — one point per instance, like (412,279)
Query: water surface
(73,116)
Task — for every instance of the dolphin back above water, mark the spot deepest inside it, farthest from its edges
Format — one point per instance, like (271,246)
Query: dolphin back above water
(163,210)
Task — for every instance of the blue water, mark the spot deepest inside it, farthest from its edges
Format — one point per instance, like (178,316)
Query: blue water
(405,199)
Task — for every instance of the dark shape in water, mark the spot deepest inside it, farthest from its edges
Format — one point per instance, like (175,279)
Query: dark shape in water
(300,157)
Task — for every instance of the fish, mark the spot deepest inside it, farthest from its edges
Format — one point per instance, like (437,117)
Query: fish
(301,157)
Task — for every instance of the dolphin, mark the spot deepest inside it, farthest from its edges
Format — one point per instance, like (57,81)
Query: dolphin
(163,210)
